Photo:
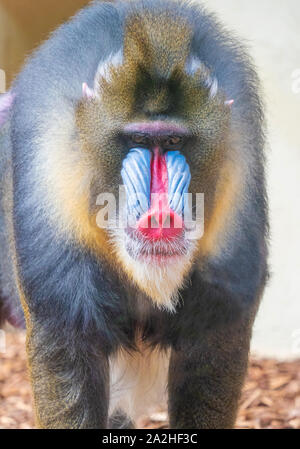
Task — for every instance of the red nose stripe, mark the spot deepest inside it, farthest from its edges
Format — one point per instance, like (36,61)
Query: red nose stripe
(160,222)
(159,173)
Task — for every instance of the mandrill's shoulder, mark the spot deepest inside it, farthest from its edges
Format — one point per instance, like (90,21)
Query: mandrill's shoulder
(6,105)
(10,307)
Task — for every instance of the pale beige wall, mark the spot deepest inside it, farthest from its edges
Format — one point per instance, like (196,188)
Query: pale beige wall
(12,44)
(25,23)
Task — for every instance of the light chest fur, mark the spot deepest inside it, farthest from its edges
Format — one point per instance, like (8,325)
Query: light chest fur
(138,380)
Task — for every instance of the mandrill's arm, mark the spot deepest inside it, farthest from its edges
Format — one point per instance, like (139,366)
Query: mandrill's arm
(67,352)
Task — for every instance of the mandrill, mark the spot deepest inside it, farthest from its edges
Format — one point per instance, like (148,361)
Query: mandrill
(133,216)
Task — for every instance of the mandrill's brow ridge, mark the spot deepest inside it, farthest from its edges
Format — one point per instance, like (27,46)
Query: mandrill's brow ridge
(156,128)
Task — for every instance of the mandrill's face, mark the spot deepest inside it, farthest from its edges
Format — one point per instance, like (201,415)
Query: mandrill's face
(163,140)
(156,177)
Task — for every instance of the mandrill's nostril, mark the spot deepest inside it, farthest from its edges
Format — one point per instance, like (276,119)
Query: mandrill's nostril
(160,225)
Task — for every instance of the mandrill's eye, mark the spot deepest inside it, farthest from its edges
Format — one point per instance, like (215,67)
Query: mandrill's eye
(140,139)
(172,142)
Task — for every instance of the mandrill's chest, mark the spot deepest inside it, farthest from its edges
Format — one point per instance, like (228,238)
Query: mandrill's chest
(144,322)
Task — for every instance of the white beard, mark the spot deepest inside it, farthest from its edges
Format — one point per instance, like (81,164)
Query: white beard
(159,277)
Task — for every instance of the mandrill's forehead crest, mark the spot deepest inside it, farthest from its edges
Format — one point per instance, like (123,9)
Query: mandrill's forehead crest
(160,42)
(154,74)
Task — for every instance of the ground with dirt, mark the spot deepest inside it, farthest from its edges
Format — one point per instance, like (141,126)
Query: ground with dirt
(271,397)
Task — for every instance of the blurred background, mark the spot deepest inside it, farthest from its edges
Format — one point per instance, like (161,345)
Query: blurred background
(270,29)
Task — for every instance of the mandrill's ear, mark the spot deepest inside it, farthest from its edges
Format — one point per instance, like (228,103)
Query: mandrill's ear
(6,102)
(229,102)
(87,92)
(104,71)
